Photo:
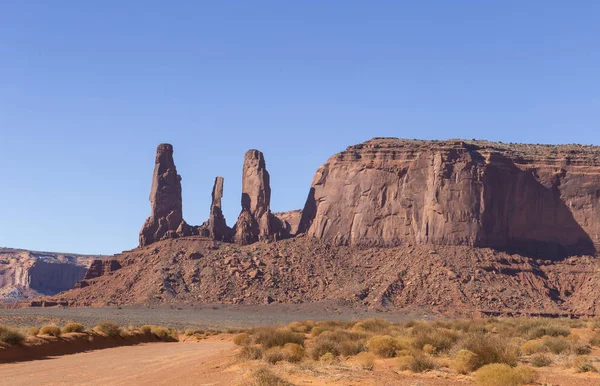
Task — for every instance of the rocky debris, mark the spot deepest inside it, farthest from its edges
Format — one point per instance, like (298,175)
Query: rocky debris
(166,218)
(255,221)
(217,226)
(536,200)
(456,280)
(29,274)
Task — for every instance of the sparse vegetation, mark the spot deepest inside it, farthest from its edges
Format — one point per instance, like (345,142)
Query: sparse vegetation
(146,329)
(10,336)
(500,374)
(265,377)
(365,361)
(242,339)
(50,330)
(541,360)
(582,364)
(33,331)
(108,328)
(191,331)
(416,362)
(465,361)
(73,327)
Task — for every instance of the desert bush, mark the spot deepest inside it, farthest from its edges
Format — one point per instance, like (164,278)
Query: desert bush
(471,325)
(416,362)
(33,331)
(541,359)
(72,327)
(375,326)
(595,339)
(533,346)
(274,355)
(328,359)
(580,348)
(490,349)
(365,361)
(582,364)
(329,325)
(441,339)
(500,374)
(251,353)
(548,330)
(302,327)
(146,329)
(465,362)
(50,330)
(193,331)
(162,332)
(242,339)
(294,353)
(277,337)
(322,347)
(265,377)
(11,336)
(383,346)
(350,348)
(557,345)
(108,328)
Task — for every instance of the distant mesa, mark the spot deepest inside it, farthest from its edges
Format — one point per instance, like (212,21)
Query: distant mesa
(535,200)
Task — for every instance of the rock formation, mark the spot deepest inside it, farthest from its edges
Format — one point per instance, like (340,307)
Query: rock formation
(255,221)
(535,200)
(166,218)
(26,274)
(217,227)
(289,222)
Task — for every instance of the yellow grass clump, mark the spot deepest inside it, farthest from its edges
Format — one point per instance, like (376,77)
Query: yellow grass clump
(500,374)
(50,330)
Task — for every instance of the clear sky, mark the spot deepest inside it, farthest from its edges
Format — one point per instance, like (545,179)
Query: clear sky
(89,88)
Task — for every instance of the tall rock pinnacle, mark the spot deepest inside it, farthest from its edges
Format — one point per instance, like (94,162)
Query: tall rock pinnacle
(166,217)
(255,221)
(217,226)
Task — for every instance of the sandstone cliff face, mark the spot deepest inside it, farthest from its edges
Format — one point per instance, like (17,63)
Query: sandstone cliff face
(255,221)
(26,274)
(536,200)
(166,218)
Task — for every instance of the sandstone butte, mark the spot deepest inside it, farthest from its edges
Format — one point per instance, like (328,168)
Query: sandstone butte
(493,227)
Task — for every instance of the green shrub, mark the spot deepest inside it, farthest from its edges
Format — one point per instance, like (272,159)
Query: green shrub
(72,327)
(500,374)
(541,360)
(465,362)
(108,328)
(50,330)
(11,336)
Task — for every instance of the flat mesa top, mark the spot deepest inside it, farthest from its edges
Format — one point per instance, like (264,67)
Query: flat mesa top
(517,149)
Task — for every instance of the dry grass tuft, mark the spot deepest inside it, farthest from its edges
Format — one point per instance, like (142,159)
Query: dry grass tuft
(108,328)
(365,361)
(193,331)
(582,364)
(265,377)
(250,353)
(541,359)
(73,327)
(50,330)
(276,337)
(242,339)
(383,346)
(465,362)
(500,374)
(11,336)
(33,331)
(416,362)
(490,349)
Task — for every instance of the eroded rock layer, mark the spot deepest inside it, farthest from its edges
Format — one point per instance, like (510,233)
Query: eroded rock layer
(536,200)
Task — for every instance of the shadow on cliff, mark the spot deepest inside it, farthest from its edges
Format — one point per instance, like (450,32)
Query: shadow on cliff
(525,216)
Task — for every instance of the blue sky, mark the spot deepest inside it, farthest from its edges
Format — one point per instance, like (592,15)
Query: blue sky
(89,88)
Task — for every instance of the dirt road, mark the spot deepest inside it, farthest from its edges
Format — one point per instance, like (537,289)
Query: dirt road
(147,364)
